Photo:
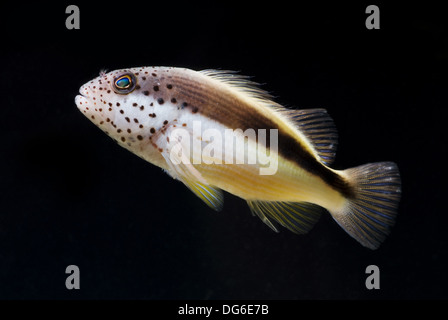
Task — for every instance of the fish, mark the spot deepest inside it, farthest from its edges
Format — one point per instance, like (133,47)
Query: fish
(217,131)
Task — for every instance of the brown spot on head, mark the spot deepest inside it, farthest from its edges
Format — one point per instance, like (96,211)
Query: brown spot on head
(139,137)
(194,109)
(156,88)
(160,101)
(146,93)
(152,130)
(165,122)
(123,139)
(127,119)
(169,86)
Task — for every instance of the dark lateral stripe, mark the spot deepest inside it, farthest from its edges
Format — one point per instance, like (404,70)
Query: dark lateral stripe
(236,114)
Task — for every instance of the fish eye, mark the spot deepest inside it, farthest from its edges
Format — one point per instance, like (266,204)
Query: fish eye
(124,84)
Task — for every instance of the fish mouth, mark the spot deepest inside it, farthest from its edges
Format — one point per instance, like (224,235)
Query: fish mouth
(82,101)
(82,98)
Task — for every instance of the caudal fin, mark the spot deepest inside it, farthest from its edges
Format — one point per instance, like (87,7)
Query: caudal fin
(369,214)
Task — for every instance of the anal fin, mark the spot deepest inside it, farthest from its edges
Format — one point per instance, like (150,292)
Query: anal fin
(298,217)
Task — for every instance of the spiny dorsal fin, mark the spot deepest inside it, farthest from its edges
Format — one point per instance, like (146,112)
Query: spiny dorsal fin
(242,84)
(298,217)
(319,128)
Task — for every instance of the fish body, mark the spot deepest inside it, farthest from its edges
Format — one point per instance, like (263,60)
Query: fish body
(215,131)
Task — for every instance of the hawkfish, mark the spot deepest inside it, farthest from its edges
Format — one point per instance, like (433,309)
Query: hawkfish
(218,131)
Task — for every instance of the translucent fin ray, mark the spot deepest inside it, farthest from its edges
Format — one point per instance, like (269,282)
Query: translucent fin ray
(212,196)
(369,215)
(298,217)
(242,84)
(319,128)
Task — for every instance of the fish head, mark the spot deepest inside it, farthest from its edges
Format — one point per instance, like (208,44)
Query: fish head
(120,103)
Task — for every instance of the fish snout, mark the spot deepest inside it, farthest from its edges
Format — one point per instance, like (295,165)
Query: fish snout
(81,102)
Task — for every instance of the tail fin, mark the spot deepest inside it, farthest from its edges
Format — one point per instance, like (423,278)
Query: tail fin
(370,213)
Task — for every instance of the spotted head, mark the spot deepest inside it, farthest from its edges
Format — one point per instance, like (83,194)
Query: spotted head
(127,104)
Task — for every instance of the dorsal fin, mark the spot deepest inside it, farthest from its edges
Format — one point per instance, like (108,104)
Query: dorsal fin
(242,84)
(318,127)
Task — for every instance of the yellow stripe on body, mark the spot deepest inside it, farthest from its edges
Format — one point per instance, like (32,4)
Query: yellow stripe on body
(290,183)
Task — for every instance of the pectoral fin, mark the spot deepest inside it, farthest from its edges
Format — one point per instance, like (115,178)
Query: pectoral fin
(176,153)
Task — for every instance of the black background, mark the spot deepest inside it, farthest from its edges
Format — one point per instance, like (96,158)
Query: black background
(70,195)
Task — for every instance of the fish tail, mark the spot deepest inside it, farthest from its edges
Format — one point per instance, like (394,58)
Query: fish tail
(369,212)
